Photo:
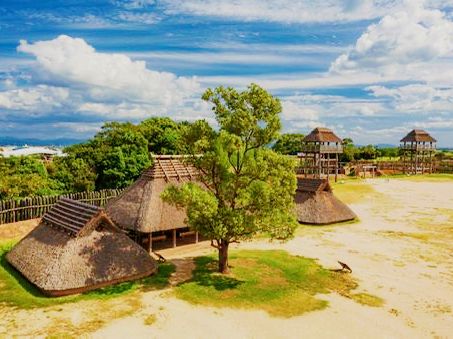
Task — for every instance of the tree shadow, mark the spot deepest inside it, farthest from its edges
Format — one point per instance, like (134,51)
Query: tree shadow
(205,274)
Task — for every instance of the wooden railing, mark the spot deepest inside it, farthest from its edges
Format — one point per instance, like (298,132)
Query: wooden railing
(36,207)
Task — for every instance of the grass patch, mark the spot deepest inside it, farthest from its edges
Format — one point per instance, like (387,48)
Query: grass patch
(150,320)
(436,177)
(418,236)
(368,299)
(274,281)
(19,292)
(351,192)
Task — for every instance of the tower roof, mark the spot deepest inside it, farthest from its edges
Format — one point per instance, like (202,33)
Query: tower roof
(321,134)
(418,135)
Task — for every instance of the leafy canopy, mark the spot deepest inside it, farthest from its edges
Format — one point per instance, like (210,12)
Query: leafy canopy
(246,187)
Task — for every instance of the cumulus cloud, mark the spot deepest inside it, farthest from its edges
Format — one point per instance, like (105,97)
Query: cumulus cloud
(406,37)
(40,99)
(106,76)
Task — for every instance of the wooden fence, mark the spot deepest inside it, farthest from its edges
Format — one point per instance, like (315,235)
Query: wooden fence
(35,207)
(445,166)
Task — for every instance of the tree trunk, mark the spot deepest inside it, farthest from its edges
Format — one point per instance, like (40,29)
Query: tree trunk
(223,257)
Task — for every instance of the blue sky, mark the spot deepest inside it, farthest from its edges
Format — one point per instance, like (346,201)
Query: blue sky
(370,69)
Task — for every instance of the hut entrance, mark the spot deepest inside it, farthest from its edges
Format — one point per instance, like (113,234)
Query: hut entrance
(166,239)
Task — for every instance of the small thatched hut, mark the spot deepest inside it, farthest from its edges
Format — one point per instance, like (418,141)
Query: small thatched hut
(316,204)
(140,209)
(77,248)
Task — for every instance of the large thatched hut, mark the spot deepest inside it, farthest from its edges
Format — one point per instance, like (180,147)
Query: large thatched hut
(141,211)
(316,204)
(77,248)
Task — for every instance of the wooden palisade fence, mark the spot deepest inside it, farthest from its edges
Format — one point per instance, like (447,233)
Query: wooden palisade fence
(35,207)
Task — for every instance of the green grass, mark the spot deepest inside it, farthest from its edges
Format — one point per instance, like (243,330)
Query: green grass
(16,291)
(274,281)
(368,299)
(352,192)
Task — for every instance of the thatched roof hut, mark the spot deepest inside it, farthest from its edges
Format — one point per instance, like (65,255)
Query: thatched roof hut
(140,208)
(418,135)
(77,248)
(316,204)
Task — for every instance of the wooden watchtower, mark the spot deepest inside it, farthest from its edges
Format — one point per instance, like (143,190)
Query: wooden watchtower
(417,152)
(320,153)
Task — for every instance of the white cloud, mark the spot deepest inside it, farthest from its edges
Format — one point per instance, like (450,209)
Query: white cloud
(401,39)
(107,76)
(39,100)
(416,98)
(287,11)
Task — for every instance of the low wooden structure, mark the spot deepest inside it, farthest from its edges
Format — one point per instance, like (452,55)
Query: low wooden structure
(77,248)
(316,204)
(320,152)
(141,211)
(417,152)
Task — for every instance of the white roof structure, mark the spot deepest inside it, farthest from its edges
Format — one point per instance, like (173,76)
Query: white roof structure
(31,150)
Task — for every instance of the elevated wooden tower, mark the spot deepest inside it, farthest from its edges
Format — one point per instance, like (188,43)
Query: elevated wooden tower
(417,152)
(320,153)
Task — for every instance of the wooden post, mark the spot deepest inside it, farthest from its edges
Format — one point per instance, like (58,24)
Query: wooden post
(150,242)
(174,237)
(337,164)
(196,237)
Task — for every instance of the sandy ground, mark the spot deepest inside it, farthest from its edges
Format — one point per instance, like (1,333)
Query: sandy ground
(401,250)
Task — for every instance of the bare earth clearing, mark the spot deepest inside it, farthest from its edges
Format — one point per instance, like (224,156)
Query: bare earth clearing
(401,251)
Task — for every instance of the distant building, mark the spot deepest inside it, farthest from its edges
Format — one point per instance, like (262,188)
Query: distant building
(46,153)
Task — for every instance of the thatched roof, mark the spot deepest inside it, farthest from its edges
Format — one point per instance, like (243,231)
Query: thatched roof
(77,248)
(418,135)
(320,134)
(316,204)
(140,207)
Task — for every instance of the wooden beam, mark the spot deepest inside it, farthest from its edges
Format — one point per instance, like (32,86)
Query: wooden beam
(174,237)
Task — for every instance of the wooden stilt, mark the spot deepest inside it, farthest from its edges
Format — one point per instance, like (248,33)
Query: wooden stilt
(196,237)
(174,237)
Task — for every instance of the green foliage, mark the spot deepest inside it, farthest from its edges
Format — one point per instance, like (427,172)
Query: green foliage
(274,281)
(24,176)
(289,144)
(247,188)
(72,174)
(18,292)
(118,154)
(163,135)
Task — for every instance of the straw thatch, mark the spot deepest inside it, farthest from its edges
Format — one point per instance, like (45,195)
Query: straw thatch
(140,207)
(316,204)
(77,248)
(418,135)
(320,134)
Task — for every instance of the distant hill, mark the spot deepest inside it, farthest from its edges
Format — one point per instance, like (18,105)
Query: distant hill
(11,141)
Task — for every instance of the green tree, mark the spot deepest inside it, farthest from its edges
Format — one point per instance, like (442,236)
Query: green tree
(24,176)
(163,135)
(349,150)
(118,154)
(247,188)
(72,174)
(289,143)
